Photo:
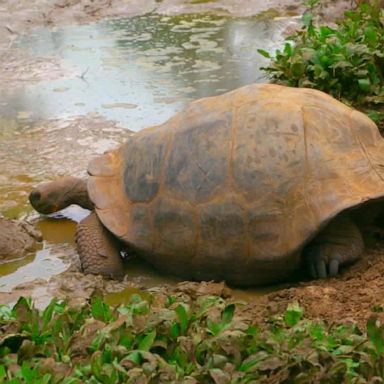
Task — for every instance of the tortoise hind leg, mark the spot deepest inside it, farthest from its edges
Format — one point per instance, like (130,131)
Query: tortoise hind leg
(338,244)
(98,249)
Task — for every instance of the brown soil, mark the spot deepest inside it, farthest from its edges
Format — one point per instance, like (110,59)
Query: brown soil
(349,297)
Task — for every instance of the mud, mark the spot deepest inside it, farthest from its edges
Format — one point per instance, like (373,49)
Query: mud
(350,297)
(17,237)
(33,153)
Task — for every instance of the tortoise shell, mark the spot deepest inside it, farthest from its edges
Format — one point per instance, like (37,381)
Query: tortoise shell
(234,186)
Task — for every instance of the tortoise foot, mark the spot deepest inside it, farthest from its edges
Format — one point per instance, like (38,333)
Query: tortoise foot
(97,248)
(340,243)
(321,264)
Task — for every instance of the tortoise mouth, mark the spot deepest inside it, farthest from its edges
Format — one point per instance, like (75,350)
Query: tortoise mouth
(35,198)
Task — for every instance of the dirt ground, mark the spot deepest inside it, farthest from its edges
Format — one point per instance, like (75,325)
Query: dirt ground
(349,297)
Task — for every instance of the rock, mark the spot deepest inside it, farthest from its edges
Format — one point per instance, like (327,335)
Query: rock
(17,238)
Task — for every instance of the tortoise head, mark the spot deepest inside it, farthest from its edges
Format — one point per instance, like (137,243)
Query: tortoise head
(56,195)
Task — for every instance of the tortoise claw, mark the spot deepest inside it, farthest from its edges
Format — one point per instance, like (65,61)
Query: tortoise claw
(321,269)
(334,267)
(321,263)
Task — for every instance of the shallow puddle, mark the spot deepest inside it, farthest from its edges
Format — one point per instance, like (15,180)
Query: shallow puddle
(131,72)
(58,237)
(139,71)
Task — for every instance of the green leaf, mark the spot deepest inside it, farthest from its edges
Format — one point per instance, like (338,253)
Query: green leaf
(247,364)
(6,312)
(307,19)
(341,64)
(293,314)
(264,53)
(183,318)
(364,84)
(170,300)
(45,379)
(376,334)
(96,364)
(175,331)
(147,342)
(135,356)
(297,69)
(126,339)
(252,330)
(100,310)
(227,315)
(317,332)
(224,323)
(370,35)
(288,50)
(326,31)
(23,310)
(28,373)
(71,380)
(3,372)
(48,312)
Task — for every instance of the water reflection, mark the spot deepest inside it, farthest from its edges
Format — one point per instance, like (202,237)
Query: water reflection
(140,70)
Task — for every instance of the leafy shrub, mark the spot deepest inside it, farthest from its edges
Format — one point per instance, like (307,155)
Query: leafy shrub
(180,341)
(346,61)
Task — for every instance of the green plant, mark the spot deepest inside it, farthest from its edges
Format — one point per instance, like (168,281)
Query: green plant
(183,340)
(346,61)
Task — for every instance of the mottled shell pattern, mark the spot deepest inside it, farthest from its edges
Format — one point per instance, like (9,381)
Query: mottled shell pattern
(234,186)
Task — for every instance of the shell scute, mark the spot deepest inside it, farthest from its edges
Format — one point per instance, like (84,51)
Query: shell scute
(223,231)
(198,160)
(175,235)
(143,162)
(269,148)
(140,231)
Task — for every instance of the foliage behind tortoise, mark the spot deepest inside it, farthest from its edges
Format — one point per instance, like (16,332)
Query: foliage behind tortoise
(235,186)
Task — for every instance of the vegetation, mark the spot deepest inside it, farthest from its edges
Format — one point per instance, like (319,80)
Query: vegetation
(346,61)
(180,341)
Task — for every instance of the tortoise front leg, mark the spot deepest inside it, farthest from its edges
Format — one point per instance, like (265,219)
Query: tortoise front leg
(339,243)
(98,249)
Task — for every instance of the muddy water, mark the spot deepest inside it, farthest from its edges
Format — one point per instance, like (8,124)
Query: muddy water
(74,92)
(58,239)
(139,71)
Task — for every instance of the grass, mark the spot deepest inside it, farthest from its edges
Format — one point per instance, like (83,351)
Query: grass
(180,341)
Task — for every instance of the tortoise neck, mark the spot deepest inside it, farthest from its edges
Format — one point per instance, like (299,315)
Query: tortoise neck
(79,194)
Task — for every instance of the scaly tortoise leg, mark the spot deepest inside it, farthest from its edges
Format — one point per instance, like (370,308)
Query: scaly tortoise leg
(338,244)
(97,248)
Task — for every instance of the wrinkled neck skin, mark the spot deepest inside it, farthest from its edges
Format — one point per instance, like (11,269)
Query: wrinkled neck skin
(78,194)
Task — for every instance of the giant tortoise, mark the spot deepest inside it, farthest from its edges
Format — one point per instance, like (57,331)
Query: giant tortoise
(240,187)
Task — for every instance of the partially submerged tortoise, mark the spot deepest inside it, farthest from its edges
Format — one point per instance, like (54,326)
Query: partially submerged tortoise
(240,187)
(17,238)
